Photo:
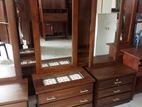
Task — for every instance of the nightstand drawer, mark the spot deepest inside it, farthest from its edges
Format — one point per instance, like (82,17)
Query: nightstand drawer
(116,82)
(113,99)
(71,102)
(63,94)
(115,90)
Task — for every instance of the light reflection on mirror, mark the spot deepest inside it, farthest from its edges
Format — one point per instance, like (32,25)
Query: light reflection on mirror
(106,26)
(7,67)
(7,62)
(55,38)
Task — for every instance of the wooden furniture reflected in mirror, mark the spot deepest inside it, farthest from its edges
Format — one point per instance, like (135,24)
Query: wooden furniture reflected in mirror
(24,23)
(53,17)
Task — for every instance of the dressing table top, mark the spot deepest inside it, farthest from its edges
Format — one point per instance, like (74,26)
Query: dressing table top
(13,93)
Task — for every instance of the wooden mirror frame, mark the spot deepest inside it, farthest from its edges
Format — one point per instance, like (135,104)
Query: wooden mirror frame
(117,38)
(36,32)
(13,37)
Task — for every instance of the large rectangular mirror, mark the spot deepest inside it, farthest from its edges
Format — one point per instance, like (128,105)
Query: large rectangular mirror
(54,24)
(107,18)
(9,56)
(55,33)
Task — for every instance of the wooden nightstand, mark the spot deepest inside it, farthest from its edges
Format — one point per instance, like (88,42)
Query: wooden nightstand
(114,85)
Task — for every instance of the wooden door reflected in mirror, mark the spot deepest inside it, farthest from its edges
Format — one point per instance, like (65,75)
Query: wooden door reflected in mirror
(9,51)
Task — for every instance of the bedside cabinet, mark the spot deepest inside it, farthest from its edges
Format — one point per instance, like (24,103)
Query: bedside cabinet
(114,85)
(14,94)
(72,88)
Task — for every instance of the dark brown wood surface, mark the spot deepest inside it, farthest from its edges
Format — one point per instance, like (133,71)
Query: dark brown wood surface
(111,71)
(40,88)
(65,93)
(71,102)
(132,57)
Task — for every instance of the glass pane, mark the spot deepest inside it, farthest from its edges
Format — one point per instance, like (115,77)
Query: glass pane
(56,37)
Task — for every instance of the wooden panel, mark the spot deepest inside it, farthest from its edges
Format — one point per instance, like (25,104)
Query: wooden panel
(114,91)
(53,4)
(2,16)
(86,105)
(71,102)
(113,99)
(55,17)
(3,27)
(23,16)
(64,94)
(22,104)
(139,7)
(84,21)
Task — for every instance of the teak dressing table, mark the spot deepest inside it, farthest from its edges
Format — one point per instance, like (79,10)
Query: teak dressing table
(115,82)
(13,90)
(59,81)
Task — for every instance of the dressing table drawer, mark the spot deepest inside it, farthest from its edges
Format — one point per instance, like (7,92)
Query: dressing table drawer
(116,82)
(63,94)
(114,91)
(113,99)
(71,102)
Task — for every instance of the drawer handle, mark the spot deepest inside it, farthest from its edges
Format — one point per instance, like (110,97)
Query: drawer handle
(117,91)
(116,99)
(117,83)
(84,101)
(84,91)
(51,98)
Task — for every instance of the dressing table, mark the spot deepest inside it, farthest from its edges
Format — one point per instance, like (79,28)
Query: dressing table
(59,80)
(115,82)
(13,89)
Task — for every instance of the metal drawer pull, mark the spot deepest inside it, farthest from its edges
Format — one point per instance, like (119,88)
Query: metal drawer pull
(84,91)
(117,83)
(84,101)
(117,91)
(51,98)
(116,99)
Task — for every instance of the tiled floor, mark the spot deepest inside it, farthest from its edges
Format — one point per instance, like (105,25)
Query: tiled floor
(136,102)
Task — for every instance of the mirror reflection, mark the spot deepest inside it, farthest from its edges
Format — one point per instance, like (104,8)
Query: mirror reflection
(56,37)
(106,25)
(6,52)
